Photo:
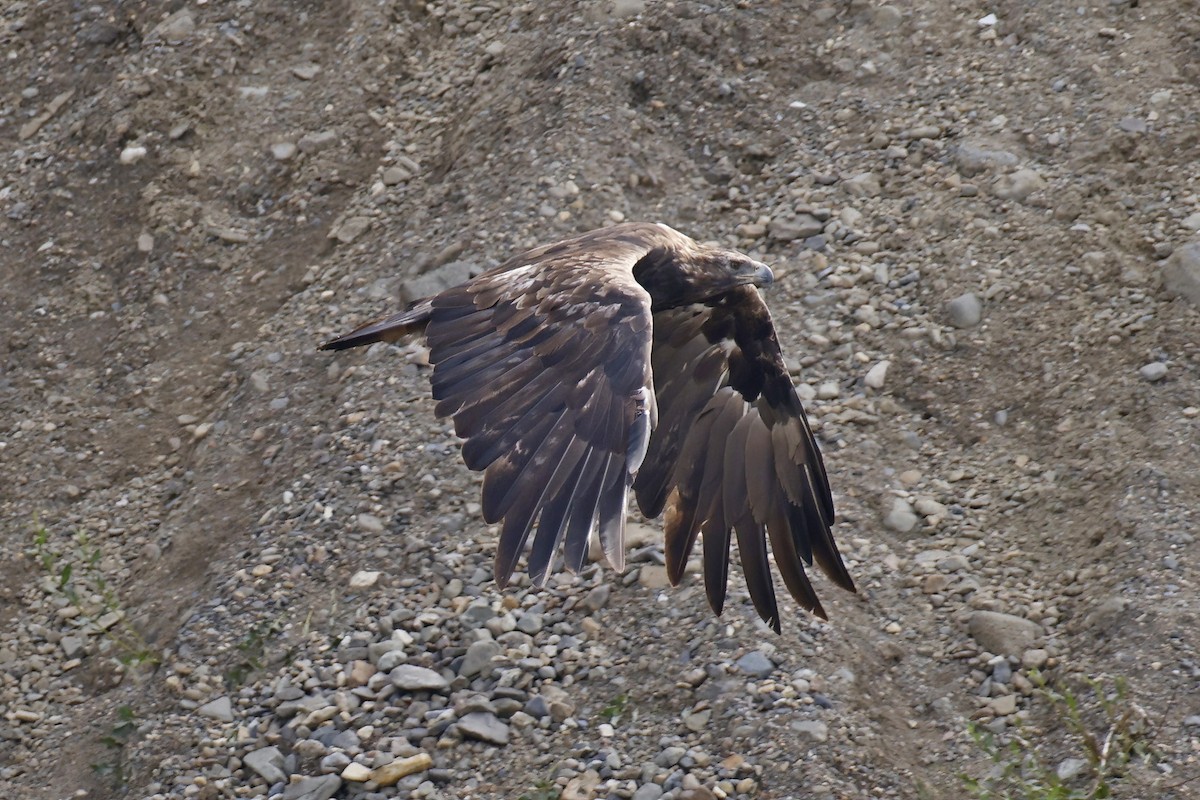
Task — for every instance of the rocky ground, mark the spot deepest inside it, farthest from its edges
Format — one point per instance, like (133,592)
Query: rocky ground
(239,567)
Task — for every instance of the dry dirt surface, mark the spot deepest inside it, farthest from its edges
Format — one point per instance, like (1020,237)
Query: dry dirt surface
(239,567)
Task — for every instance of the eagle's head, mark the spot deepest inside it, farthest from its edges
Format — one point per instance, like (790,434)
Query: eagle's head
(688,272)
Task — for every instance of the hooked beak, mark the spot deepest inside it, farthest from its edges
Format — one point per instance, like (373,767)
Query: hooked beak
(756,274)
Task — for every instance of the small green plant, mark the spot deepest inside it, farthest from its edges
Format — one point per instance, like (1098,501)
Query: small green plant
(1110,734)
(75,572)
(115,740)
(543,789)
(616,707)
(252,651)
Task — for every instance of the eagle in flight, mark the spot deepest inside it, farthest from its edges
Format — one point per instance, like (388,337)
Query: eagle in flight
(630,358)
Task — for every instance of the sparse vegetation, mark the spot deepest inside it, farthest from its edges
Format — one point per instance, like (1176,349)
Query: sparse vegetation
(75,572)
(114,767)
(612,712)
(1105,734)
(543,789)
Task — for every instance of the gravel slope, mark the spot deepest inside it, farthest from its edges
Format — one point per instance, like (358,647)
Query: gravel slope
(261,570)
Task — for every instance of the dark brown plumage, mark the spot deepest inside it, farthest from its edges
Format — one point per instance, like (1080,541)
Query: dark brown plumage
(630,357)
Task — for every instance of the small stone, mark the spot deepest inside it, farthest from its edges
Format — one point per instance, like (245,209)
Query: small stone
(648,791)
(175,28)
(1004,634)
(370,523)
(697,721)
(829,390)
(965,311)
(865,184)
(1034,658)
(268,763)
(887,18)
(628,8)
(653,576)
(494,48)
(1154,371)
(1192,222)
(928,507)
(306,72)
(790,228)
(389,774)
(412,678)
(72,646)
(1018,185)
(972,158)
(900,516)
(597,598)
(876,375)
(756,664)
(316,142)
(1004,705)
(1181,272)
(283,151)
(220,709)
(484,726)
(1192,721)
(321,788)
(393,176)
(813,728)
(1070,768)
(479,658)
(364,579)
(132,154)
(145,242)
(356,773)
(350,229)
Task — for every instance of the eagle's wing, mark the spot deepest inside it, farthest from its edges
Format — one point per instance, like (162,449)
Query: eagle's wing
(545,368)
(733,451)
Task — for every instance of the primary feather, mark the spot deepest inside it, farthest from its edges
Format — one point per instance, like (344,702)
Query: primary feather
(630,358)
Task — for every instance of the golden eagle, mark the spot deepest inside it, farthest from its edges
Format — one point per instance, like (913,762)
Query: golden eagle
(630,357)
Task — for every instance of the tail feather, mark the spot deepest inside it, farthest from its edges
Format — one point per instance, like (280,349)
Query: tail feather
(391,328)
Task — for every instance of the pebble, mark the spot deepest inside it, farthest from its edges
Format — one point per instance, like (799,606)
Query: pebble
(484,726)
(390,774)
(972,158)
(876,375)
(411,678)
(648,791)
(364,579)
(813,728)
(653,576)
(479,658)
(790,228)
(316,142)
(1003,634)
(219,709)
(321,788)
(756,663)
(356,773)
(131,154)
(1154,371)
(268,763)
(283,151)
(865,184)
(1018,185)
(370,523)
(965,311)
(1034,658)
(1181,272)
(1070,768)
(900,516)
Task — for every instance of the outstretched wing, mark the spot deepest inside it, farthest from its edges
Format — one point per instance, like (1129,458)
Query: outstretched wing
(733,452)
(545,368)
